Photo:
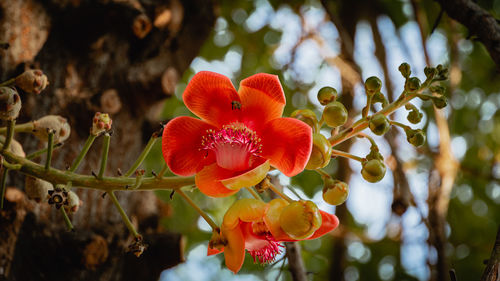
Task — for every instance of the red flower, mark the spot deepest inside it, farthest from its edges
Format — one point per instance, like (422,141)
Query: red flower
(255,226)
(239,136)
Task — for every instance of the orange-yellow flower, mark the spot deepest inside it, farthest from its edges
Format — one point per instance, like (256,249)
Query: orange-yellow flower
(255,226)
(240,134)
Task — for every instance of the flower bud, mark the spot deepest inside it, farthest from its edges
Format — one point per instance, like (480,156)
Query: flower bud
(372,85)
(307,116)
(379,124)
(37,189)
(10,103)
(17,148)
(327,95)
(373,170)
(74,202)
(32,81)
(335,114)
(442,73)
(430,72)
(439,101)
(412,84)
(415,137)
(300,219)
(405,70)
(101,123)
(414,116)
(58,124)
(335,192)
(321,153)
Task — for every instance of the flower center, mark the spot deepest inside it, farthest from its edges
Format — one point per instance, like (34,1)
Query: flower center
(267,253)
(233,145)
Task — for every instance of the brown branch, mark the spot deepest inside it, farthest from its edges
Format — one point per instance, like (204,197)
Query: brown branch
(492,270)
(478,21)
(295,262)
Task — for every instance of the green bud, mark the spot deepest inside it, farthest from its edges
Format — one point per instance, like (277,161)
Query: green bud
(335,114)
(373,170)
(372,85)
(379,97)
(440,101)
(415,137)
(327,95)
(438,89)
(321,152)
(379,124)
(414,116)
(412,84)
(307,116)
(335,192)
(405,70)
(442,73)
(300,219)
(10,103)
(430,72)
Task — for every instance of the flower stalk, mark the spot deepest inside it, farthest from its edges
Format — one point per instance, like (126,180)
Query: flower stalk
(104,157)
(202,213)
(142,156)
(124,216)
(83,152)
(50,148)
(9,134)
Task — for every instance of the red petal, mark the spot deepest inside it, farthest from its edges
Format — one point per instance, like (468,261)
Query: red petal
(287,142)
(180,145)
(210,96)
(208,181)
(329,222)
(262,99)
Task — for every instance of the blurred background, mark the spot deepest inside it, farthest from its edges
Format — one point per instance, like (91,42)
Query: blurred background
(438,207)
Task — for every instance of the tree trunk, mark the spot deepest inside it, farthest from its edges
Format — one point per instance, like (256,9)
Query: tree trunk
(122,57)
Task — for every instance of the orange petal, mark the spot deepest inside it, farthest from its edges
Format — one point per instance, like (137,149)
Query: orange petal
(329,223)
(180,145)
(246,210)
(234,252)
(210,96)
(249,178)
(287,142)
(214,251)
(208,181)
(262,99)
(272,218)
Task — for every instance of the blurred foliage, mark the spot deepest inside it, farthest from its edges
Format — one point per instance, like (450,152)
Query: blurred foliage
(279,37)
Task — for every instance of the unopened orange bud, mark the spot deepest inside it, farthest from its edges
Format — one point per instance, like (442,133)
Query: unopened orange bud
(300,219)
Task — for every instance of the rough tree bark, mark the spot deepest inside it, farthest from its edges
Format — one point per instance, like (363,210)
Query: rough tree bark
(117,56)
(478,21)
